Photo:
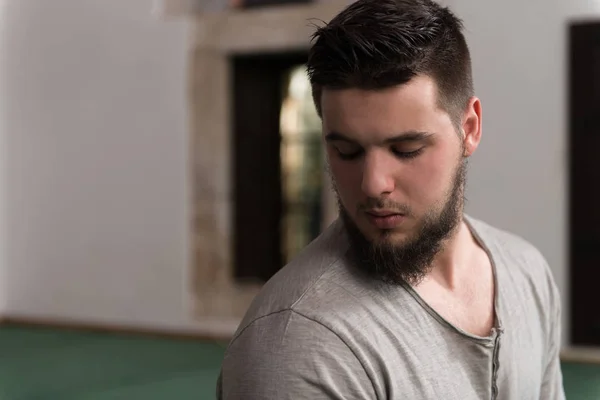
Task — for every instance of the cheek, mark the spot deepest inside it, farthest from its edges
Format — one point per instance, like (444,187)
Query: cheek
(347,178)
(429,178)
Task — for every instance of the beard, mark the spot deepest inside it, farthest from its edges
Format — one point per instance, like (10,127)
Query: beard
(410,261)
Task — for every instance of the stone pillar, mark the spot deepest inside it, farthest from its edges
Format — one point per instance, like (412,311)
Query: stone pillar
(214,39)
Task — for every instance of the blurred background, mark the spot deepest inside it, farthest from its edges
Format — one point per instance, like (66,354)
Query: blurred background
(161,160)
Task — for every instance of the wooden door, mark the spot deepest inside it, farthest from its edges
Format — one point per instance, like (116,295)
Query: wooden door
(257,93)
(584,138)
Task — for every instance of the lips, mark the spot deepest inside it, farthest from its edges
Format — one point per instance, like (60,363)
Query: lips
(379,213)
(382,219)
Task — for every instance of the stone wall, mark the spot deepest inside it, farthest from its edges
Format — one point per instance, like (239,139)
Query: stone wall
(213,39)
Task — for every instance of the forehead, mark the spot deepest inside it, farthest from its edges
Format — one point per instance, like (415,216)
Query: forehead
(384,112)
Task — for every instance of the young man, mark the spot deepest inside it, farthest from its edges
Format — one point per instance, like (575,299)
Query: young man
(404,297)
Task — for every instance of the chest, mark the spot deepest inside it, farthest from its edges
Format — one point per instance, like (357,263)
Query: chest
(470,307)
(433,362)
(457,367)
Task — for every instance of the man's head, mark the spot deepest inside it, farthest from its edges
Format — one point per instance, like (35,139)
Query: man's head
(392,82)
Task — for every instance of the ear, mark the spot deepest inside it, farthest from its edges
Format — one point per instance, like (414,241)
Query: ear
(471,127)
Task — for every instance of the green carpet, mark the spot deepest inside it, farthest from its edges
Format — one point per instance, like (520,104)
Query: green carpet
(39,364)
(47,364)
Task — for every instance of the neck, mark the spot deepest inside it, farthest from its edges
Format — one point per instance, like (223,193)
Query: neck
(452,262)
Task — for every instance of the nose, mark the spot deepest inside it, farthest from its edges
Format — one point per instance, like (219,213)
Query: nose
(377,179)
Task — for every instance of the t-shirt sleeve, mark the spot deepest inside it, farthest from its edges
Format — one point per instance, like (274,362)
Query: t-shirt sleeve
(288,356)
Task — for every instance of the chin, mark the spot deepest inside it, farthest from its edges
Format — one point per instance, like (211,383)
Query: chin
(393,238)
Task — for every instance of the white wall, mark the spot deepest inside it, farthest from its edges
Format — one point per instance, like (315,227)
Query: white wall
(518,178)
(95,100)
(3,166)
(92,126)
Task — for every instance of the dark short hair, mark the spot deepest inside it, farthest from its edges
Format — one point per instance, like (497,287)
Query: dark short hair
(376,44)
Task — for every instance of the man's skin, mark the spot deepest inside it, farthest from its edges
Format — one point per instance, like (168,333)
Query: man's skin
(380,129)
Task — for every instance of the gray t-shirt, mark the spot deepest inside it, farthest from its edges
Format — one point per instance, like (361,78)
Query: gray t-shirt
(320,329)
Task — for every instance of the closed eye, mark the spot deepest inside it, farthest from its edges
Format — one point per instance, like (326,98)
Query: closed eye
(346,150)
(348,155)
(407,154)
(357,153)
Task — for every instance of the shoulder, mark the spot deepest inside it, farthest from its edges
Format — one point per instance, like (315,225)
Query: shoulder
(317,291)
(506,247)
(503,240)
(285,355)
(520,265)
(297,280)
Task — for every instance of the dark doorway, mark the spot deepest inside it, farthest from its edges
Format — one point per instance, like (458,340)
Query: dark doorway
(584,137)
(258,90)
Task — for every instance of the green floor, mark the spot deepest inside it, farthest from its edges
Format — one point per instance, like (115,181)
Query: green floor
(46,364)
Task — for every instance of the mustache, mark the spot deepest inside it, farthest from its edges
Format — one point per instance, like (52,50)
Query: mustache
(385,204)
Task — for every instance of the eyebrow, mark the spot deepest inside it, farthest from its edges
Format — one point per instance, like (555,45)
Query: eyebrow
(408,136)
